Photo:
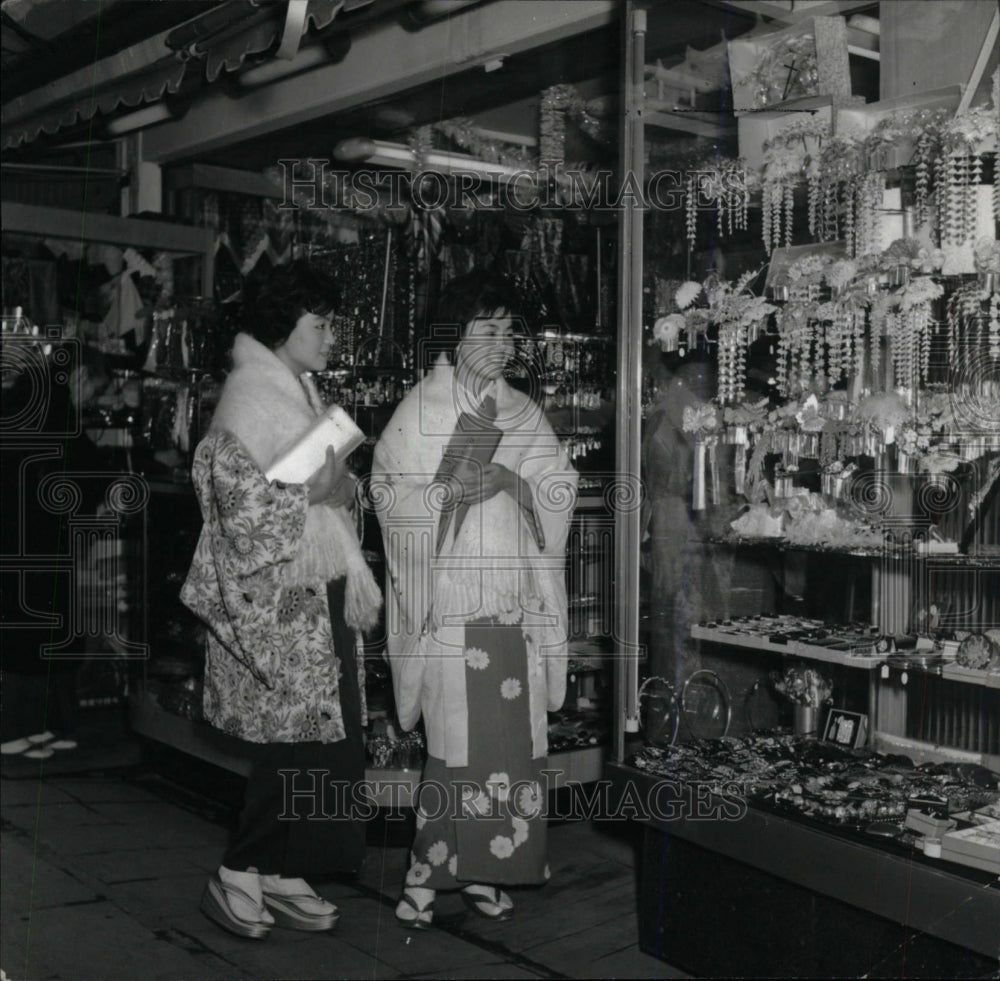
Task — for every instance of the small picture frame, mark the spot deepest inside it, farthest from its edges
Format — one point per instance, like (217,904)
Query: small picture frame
(846,729)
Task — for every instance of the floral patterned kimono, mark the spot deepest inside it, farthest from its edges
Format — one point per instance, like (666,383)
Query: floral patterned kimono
(477,633)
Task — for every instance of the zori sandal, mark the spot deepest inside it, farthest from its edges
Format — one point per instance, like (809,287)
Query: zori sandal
(422,917)
(302,910)
(215,905)
(489,902)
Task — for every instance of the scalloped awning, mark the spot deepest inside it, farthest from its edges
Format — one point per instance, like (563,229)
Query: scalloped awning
(143,73)
(231,50)
(148,85)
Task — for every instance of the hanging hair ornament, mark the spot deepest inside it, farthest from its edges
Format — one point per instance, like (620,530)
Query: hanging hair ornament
(690,208)
(788,157)
(831,226)
(813,190)
(789,208)
(994,341)
(996,145)
(832,315)
(858,340)
(732,363)
(765,218)
(870,203)
(974,174)
(923,177)
(720,213)
(786,337)
(973,313)
(963,138)
(849,209)
(911,329)
(956,198)
(942,171)
(738,314)
(879,325)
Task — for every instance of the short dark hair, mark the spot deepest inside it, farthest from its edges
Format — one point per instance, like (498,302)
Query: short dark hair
(274,300)
(478,293)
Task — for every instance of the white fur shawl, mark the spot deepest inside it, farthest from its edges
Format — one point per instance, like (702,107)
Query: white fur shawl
(267,408)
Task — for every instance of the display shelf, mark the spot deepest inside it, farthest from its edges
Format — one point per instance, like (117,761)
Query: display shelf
(866,658)
(970,676)
(987,561)
(921,751)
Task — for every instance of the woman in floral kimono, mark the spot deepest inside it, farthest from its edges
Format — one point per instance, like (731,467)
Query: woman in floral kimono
(280,580)
(475,546)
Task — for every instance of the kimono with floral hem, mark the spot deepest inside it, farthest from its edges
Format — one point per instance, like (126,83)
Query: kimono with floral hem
(492,567)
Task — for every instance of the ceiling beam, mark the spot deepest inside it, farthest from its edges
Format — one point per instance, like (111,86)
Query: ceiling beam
(793,11)
(382,62)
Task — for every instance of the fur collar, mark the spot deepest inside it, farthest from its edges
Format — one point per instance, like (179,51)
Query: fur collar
(267,409)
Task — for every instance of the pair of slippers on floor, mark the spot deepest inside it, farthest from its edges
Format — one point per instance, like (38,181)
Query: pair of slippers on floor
(40,746)
(300,908)
(489,902)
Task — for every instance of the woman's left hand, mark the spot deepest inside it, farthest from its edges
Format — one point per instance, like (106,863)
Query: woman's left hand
(343,494)
(478,484)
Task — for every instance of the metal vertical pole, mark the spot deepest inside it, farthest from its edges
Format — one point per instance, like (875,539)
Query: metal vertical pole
(629,389)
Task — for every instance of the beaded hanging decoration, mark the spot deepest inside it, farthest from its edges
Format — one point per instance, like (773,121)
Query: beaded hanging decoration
(959,171)
(910,330)
(814,189)
(732,363)
(923,177)
(994,335)
(973,324)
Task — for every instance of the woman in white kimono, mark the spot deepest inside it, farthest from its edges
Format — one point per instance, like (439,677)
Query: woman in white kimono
(475,545)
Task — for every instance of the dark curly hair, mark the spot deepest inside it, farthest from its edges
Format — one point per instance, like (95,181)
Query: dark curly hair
(474,294)
(274,300)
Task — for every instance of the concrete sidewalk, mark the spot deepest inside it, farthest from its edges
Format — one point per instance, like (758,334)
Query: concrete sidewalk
(102,879)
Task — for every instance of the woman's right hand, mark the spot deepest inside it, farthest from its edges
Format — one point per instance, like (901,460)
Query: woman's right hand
(322,484)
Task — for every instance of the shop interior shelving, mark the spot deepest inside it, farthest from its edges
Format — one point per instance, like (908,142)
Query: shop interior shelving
(705,873)
(889,670)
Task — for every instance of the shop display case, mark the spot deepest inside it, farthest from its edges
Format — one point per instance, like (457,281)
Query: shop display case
(811,771)
(819,809)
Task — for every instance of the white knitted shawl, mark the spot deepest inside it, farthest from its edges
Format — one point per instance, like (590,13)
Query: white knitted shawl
(268,409)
